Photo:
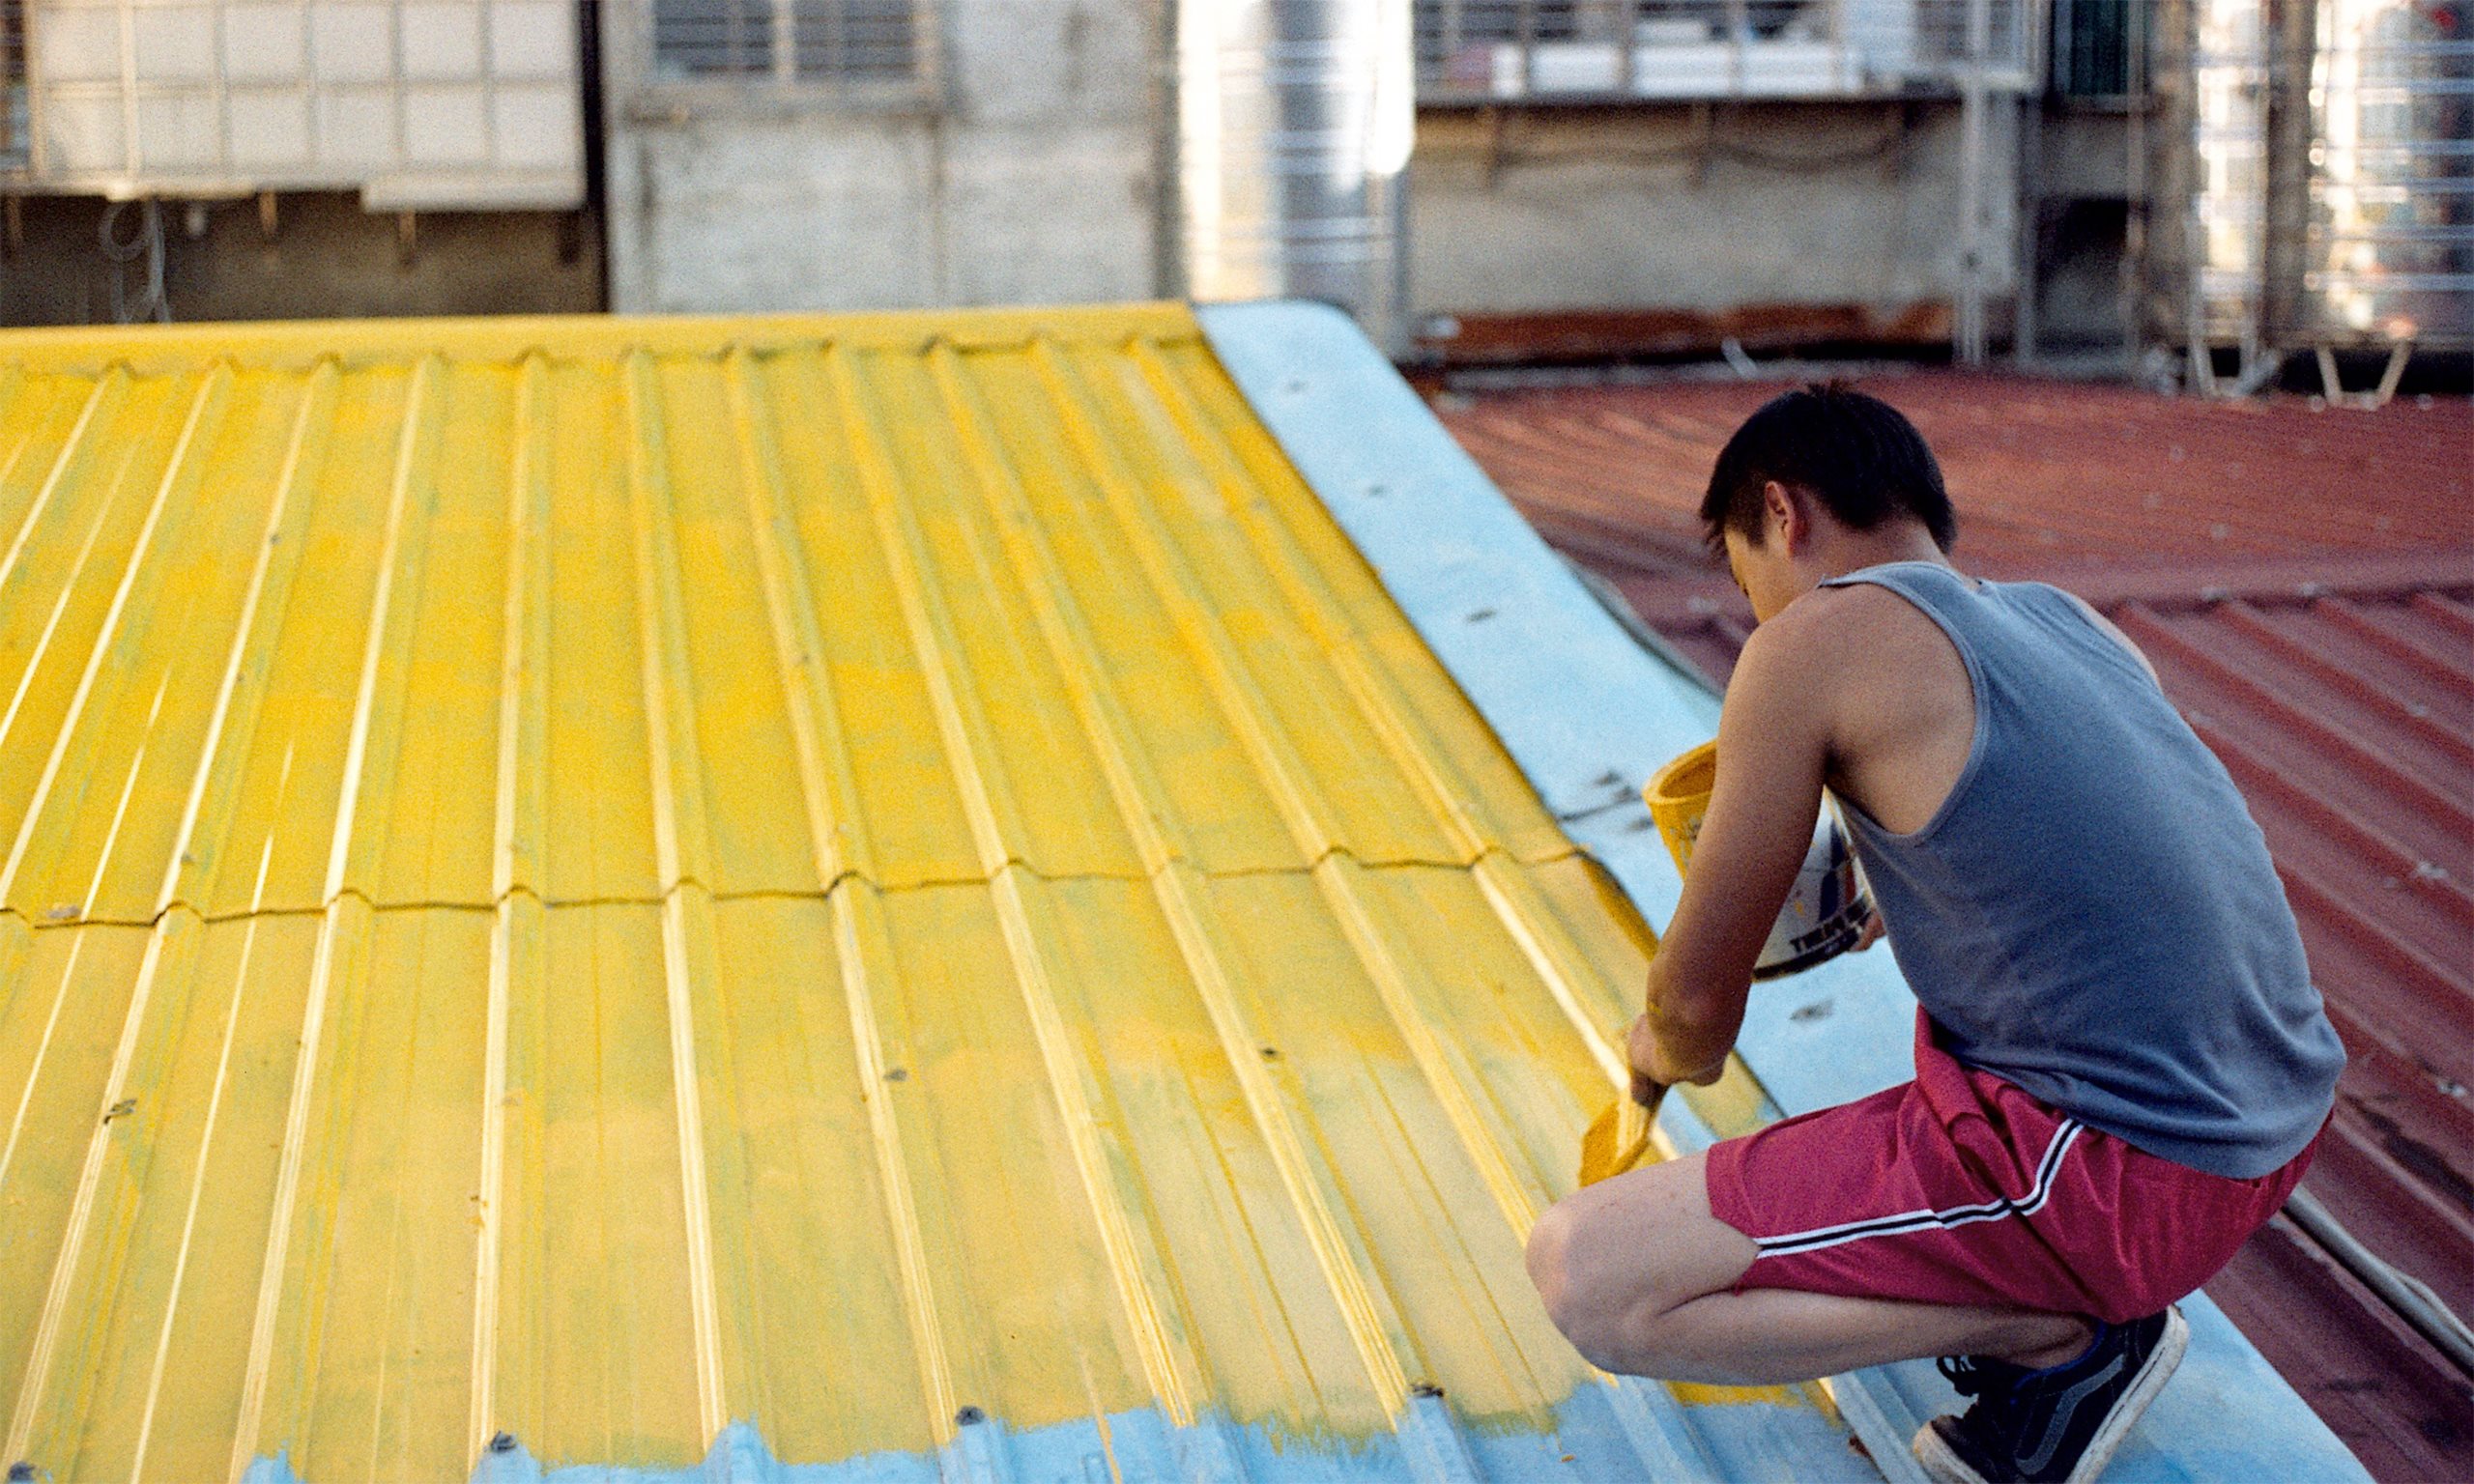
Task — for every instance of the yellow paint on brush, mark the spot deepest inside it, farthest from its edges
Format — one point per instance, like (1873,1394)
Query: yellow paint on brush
(598,877)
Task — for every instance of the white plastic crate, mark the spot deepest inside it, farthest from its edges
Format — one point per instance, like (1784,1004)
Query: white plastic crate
(416,103)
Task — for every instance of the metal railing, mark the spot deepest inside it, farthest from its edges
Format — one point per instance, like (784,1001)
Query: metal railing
(1478,51)
(793,43)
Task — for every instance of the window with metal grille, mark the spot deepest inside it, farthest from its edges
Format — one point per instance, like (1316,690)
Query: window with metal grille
(2096,44)
(788,41)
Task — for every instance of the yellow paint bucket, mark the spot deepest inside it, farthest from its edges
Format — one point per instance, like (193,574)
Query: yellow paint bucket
(1825,912)
(1678,795)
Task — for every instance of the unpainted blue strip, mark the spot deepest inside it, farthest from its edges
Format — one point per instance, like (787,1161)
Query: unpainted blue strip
(1589,714)
(1613,1434)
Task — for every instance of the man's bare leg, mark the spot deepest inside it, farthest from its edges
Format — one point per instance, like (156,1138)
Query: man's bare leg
(1638,1275)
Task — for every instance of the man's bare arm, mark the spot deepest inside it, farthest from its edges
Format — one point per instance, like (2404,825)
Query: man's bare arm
(1772,753)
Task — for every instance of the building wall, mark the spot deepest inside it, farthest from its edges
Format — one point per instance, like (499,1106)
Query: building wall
(1037,181)
(1034,182)
(326,258)
(2083,191)
(1671,207)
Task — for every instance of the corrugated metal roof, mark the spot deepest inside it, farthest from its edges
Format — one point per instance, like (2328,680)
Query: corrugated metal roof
(2045,471)
(894,882)
(2304,580)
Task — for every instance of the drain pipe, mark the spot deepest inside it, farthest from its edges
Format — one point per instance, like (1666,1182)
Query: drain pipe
(2410,1298)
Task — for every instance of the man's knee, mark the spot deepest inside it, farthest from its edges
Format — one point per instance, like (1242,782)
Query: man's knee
(1550,1259)
(1582,1298)
(1611,1261)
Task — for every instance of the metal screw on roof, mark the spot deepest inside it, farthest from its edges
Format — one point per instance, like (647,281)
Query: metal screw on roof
(502,1442)
(970,1417)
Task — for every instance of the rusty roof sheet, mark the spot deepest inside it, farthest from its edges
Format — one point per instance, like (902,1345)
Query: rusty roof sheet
(2043,472)
(2304,579)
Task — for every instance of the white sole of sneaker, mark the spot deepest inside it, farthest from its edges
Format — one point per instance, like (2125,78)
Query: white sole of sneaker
(1948,1468)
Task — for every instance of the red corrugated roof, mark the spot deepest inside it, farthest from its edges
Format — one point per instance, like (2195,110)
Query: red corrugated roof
(2303,578)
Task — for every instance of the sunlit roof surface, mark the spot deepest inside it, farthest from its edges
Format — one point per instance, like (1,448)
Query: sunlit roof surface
(890,887)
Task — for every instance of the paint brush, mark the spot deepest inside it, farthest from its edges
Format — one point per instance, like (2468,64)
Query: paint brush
(1618,1138)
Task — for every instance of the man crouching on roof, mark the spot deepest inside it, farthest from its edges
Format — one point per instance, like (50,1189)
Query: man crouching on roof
(2122,1065)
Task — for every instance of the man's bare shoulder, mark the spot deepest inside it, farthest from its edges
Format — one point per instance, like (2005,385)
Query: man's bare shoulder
(1801,660)
(1869,674)
(1830,630)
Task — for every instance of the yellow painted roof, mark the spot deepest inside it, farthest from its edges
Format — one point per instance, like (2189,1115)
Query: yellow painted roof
(604,879)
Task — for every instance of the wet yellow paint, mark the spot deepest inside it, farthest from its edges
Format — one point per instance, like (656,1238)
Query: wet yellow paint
(600,878)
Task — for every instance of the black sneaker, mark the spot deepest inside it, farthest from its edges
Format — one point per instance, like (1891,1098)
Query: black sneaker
(2055,1426)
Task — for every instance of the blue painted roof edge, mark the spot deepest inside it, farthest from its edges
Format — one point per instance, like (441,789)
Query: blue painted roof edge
(1587,713)
(1615,1434)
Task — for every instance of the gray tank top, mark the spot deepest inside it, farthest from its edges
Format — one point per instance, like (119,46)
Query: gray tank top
(2091,914)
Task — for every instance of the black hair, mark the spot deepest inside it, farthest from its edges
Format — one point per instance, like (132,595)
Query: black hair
(1856,454)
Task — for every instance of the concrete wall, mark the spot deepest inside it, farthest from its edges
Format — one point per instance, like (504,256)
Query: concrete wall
(1033,182)
(327,258)
(1036,181)
(2083,182)
(1671,207)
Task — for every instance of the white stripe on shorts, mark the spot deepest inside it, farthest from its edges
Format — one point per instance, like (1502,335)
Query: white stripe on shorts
(1821,1236)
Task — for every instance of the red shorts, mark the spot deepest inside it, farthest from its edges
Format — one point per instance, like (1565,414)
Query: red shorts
(1960,1188)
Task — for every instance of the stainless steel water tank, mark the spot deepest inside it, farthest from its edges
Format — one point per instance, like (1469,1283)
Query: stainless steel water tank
(1294,118)
(2311,174)
(2205,264)
(2387,228)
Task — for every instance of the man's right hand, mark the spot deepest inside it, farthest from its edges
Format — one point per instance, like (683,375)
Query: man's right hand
(1651,1073)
